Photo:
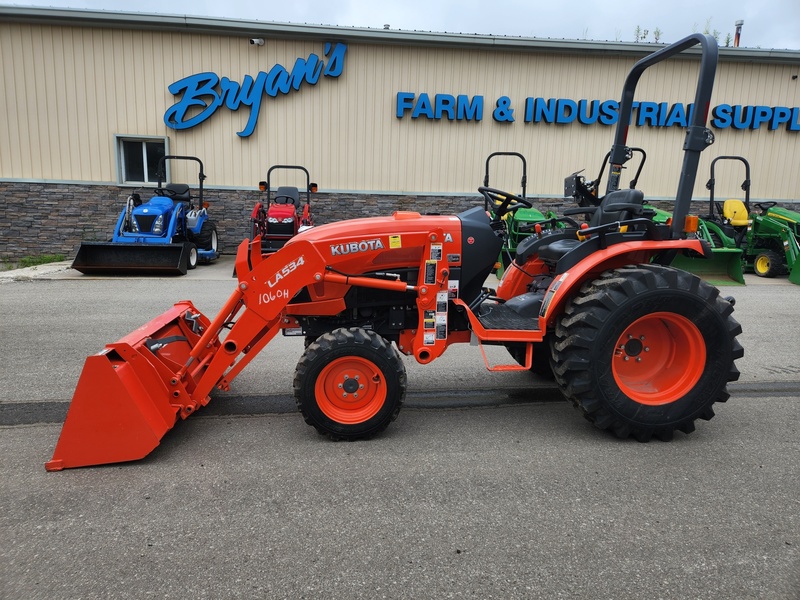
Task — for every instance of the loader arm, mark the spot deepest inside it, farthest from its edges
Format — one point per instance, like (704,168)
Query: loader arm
(167,368)
(132,393)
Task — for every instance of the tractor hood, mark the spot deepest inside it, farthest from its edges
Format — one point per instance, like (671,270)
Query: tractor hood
(157,205)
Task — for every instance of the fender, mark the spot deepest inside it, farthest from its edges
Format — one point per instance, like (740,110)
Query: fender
(619,255)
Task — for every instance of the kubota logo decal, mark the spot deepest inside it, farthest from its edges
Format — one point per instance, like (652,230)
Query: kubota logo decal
(353,247)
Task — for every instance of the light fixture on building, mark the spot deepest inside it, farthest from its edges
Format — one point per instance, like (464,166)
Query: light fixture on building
(256,41)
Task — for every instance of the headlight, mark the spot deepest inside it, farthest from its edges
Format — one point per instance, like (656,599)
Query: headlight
(288,220)
(158,226)
(272,220)
(134,226)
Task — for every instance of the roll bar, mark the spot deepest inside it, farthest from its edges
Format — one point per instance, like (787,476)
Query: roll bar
(698,136)
(745,184)
(161,172)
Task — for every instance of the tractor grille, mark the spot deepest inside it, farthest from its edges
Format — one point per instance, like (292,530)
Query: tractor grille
(145,222)
(280,228)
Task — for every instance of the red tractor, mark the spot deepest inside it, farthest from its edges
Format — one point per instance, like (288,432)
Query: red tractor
(640,348)
(282,217)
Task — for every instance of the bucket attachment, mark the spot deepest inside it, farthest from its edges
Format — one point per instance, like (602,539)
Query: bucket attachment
(110,258)
(723,267)
(794,274)
(130,394)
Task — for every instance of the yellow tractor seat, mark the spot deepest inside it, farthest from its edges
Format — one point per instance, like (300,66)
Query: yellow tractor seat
(735,212)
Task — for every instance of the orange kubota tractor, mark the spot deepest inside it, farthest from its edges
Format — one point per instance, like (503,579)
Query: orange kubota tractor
(640,348)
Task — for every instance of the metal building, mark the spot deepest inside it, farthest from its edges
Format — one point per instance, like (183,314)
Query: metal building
(381,118)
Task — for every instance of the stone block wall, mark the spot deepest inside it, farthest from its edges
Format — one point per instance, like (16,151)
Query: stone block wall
(42,218)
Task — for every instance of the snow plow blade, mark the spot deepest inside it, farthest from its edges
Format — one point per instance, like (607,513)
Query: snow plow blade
(723,267)
(130,394)
(120,259)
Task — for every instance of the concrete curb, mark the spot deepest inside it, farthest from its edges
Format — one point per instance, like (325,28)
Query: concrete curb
(35,272)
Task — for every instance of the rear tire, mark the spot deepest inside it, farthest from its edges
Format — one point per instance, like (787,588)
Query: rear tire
(206,238)
(646,350)
(768,264)
(716,240)
(350,384)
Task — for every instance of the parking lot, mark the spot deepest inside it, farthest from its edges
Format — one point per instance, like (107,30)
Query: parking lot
(488,485)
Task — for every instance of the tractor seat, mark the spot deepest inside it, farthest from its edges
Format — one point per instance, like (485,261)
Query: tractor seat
(603,214)
(179,192)
(287,195)
(735,212)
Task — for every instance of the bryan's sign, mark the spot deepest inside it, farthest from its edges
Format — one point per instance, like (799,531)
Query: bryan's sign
(202,94)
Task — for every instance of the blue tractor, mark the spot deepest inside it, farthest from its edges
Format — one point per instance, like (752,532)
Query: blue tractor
(169,234)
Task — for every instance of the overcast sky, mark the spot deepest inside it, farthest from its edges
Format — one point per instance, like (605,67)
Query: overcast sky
(767,23)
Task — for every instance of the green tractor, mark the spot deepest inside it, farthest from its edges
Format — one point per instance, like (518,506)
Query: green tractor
(767,237)
(521,222)
(773,242)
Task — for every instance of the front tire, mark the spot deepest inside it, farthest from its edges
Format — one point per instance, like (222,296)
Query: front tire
(768,264)
(191,255)
(350,384)
(646,350)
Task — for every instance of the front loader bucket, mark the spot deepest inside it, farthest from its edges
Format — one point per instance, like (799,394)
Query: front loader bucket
(794,273)
(724,267)
(130,394)
(110,258)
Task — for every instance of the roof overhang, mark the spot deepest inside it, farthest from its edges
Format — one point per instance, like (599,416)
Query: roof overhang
(266,29)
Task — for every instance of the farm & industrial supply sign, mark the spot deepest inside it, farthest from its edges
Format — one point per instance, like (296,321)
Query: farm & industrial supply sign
(201,94)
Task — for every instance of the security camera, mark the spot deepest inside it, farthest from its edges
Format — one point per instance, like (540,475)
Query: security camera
(256,41)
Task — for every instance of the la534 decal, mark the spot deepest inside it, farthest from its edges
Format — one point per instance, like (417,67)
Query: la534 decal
(285,271)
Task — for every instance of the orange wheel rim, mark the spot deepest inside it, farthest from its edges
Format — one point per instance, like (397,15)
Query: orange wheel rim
(659,358)
(350,390)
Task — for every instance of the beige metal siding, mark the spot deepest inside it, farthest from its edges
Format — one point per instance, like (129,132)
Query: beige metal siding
(67,91)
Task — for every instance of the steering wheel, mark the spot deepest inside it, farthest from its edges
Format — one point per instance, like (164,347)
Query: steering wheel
(503,202)
(169,193)
(765,206)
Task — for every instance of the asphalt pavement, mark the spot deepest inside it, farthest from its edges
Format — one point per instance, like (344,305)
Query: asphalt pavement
(488,485)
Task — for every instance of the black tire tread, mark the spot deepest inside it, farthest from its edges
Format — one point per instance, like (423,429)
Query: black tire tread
(577,333)
(775,264)
(338,339)
(203,238)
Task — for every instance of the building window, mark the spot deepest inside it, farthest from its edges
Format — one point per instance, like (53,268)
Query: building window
(138,158)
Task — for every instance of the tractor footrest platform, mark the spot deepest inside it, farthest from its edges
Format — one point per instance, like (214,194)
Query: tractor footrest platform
(499,316)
